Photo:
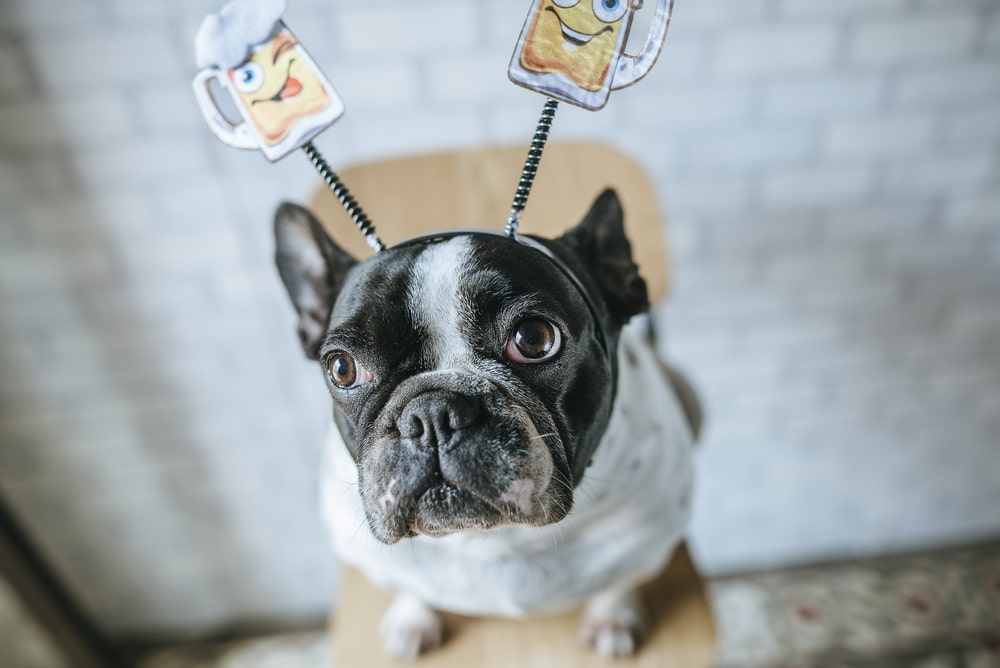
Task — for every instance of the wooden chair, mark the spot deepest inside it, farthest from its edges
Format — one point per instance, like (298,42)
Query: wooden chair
(473,188)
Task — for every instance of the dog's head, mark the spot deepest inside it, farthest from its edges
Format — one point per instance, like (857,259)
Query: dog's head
(472,376)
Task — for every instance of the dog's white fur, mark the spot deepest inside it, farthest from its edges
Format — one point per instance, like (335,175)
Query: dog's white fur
(434,295)
(629,514)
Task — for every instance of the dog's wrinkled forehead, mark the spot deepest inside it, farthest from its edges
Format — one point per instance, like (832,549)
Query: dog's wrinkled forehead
(450,288)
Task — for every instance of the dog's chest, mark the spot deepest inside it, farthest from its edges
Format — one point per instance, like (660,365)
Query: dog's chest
(629,513)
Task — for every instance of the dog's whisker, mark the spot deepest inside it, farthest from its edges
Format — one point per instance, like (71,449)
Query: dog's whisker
(560,478)
(605,481)
(343,492)
(361,525)
(586,491)
(557,536)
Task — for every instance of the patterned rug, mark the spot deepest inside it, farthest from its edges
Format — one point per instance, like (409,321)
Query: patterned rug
(922,611)
(938,610)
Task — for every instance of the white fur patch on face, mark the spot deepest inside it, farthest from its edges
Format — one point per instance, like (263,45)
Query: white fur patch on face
(389,499)
(518,494)
(540,468)
(435,299)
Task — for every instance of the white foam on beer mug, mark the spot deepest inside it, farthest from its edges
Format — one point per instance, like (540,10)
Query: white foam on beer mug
(225,39)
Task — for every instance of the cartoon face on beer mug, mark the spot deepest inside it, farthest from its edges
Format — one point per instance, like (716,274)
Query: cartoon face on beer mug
(573,50)
(283,98)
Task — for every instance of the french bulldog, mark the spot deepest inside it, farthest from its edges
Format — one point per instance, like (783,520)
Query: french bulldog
(499,409)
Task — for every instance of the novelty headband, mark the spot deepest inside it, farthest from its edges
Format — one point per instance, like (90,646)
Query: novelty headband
(569,50)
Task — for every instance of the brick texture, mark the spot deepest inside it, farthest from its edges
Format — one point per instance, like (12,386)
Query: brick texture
(789,48)
(830,172)
(903,40)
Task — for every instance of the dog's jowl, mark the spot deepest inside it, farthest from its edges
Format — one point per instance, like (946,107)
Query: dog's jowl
(498,406)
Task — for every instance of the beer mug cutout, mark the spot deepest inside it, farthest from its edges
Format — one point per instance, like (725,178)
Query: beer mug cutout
(573,50)
(283,98)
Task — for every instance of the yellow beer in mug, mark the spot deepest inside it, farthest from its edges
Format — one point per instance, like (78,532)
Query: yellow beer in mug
(283,98)
(573,50)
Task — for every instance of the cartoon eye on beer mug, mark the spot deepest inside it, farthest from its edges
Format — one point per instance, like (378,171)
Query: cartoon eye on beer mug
(283,98)
(573,50)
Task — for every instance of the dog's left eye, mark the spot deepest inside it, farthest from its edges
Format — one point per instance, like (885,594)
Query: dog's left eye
(533,340)
(345,372)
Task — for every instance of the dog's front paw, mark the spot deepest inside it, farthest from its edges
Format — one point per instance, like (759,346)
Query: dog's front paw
(409,628)
(614,624)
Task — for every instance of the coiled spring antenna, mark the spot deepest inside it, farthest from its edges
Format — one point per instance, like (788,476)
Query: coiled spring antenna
(341,192)
(531,165)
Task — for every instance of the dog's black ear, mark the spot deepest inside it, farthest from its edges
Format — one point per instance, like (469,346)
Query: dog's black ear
(601,243)
(312,268)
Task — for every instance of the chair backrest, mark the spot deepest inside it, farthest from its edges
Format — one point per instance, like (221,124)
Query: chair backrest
(416,195)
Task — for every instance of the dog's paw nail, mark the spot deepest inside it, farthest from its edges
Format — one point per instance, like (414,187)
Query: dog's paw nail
(612,640)
(614,631)
(410,628)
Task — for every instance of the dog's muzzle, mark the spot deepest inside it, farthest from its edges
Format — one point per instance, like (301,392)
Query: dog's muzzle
(454,453)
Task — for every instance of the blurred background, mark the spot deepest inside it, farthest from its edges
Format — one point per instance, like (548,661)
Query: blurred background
(830,177)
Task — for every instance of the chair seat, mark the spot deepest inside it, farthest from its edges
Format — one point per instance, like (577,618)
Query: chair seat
(682,633)
(406,197)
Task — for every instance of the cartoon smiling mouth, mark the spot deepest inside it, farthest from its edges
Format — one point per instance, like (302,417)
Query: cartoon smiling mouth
(288,90)
(572,36)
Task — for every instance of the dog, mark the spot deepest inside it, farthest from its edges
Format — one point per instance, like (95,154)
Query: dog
(499,406)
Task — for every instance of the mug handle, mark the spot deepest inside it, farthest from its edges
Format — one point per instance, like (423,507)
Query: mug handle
(236,135)
(632,68)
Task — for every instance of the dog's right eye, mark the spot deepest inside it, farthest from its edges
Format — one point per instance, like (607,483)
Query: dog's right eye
(532,341)
(344,371)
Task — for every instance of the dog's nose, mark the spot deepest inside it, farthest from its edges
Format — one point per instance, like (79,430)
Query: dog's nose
(434,418)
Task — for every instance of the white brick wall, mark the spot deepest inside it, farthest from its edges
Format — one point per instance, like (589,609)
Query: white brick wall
(408,28)
(830,171)
(972,127)
(993,33)
(883,136)
(849,9)
(941,174)
(948,85)
(790,48)
(823,95)
(34,124)
(71,61)
(975,212)
(720,12)
(917,39)
(52,14)
(819,186)
(727,150)
(13,75)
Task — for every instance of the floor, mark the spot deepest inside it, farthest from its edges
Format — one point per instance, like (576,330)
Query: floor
(935,610)
(298,650)
(24,643)
(924,611)
(930,610)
